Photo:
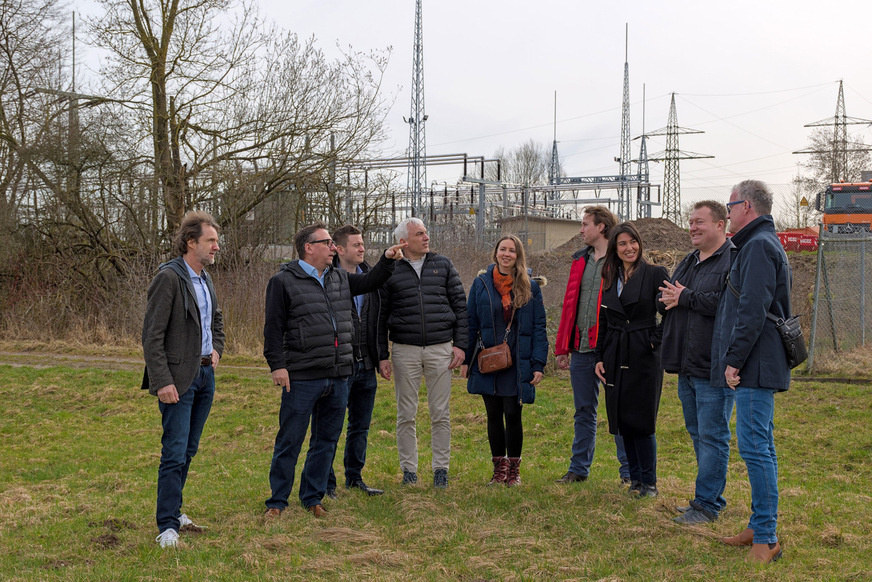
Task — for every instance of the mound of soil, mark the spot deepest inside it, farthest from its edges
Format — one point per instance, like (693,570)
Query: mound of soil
(658,234)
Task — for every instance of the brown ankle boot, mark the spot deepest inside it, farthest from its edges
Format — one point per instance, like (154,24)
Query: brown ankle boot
(763,554)
(501,470)
(514,476)
(746,538)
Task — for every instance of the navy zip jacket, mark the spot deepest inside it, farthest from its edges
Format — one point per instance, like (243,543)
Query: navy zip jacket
(485,310)
(364,338)
(743,337)
(688,327)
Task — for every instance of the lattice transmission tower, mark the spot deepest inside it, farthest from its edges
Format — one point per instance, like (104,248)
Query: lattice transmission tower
(416,183)
(643,195)
(554,165)
(839,170)
(671,155)
(625,207)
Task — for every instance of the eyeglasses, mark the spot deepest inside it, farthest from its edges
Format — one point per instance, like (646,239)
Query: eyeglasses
(326,241)
(731,204)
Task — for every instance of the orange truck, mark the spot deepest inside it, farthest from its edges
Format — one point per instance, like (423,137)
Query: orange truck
(846,207)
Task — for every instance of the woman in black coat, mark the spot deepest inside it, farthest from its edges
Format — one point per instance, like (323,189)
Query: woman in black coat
(501,295)
(628,360)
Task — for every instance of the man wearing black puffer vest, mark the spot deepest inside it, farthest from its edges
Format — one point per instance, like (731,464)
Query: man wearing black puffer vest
(424,315)
(307,344)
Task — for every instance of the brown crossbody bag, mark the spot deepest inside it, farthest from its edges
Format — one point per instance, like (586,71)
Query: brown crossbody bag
(498,357)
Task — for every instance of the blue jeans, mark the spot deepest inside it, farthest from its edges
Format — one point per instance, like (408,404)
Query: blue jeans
(707,413)
(323,402)
(183,424)
(361,401)
(755,412)
(585,393)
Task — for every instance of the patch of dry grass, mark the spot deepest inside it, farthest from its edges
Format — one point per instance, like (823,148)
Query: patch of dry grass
(79,451)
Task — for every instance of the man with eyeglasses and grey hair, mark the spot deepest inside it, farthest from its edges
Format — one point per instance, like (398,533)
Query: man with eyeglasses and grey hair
(307,342)
(424,316)
(748,355)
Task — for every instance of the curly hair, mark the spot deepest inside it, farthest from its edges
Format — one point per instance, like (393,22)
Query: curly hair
(191,228)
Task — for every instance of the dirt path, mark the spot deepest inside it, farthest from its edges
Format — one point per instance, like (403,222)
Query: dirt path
(48,360)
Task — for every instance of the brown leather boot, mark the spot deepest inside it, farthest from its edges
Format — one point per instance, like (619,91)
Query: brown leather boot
(514,476)
(763,554)
(501,470)
(746,538)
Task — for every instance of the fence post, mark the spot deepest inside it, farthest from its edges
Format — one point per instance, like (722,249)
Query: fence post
(814,304)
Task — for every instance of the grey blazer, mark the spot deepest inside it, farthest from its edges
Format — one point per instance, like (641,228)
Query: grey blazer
(171,336)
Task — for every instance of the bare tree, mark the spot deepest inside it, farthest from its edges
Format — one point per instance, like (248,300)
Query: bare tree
(820,164)
(796,209)
(30,49)
(525,165)
(235,111)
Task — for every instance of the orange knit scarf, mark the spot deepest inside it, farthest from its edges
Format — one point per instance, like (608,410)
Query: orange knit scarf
(503,284)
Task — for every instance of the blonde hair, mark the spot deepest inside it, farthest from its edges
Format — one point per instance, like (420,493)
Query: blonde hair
(520,279)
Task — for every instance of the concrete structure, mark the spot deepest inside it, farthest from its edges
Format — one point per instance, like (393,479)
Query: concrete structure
(540,234)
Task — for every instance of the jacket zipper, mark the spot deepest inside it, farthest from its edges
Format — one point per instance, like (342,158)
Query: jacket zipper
(333,323)
(421,303)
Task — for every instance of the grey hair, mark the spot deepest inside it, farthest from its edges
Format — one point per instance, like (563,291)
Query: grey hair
(757,193)
(402,230)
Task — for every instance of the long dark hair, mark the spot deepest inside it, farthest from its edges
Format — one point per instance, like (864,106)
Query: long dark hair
(613,263)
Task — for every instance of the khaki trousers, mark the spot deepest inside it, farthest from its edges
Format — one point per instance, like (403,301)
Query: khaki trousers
(409,364)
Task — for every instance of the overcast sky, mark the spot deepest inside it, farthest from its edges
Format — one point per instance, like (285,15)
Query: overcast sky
(750,74)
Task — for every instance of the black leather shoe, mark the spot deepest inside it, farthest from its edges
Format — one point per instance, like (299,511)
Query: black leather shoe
(359,484)
(571,477)
(331,493)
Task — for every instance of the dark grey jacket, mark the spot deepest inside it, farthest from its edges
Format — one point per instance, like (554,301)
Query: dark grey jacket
(426,311)
(307,327)
(171,335)
(364,338)
(687,328)
(743,337)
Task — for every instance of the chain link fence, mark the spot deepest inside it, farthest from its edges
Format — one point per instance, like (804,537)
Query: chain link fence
(840,321)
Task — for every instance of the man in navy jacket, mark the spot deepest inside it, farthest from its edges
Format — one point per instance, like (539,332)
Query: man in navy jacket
(748,355)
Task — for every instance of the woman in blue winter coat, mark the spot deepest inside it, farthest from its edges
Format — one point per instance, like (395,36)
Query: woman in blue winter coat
(504,297)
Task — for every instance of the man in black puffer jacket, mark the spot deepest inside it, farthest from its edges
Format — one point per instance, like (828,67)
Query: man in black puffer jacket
(424,315)
(308,346)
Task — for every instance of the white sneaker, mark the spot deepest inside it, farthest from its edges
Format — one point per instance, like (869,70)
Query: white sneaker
(186,525)
(168,538)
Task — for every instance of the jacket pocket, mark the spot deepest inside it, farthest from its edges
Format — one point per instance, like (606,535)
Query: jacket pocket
(175,359)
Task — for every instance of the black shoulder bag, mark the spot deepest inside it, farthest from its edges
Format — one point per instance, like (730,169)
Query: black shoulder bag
(789,331)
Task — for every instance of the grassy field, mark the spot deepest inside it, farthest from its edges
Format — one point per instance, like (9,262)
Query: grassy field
(79,450)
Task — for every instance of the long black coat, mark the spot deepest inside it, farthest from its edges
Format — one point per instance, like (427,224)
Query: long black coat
(628,328)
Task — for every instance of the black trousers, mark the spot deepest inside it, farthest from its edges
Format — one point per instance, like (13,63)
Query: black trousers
(504,430)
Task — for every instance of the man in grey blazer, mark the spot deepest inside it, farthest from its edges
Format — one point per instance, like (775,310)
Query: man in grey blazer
(182,341)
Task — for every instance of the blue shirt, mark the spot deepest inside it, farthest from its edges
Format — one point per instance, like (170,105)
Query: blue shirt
(205,306)
(309,269)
